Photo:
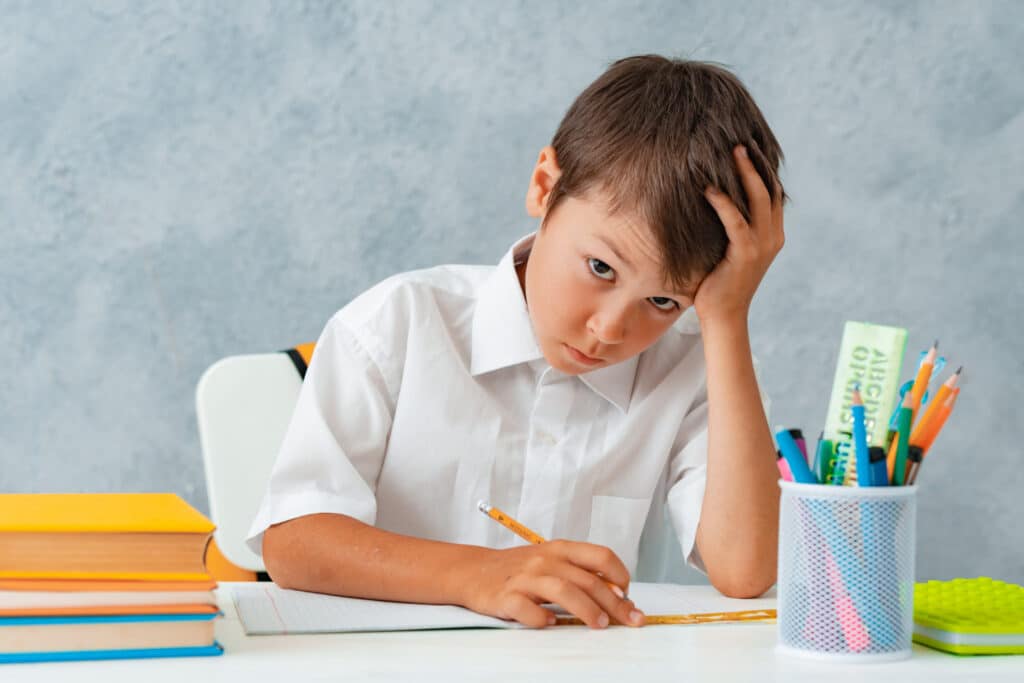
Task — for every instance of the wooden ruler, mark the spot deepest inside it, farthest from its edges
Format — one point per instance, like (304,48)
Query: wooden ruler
(757,615)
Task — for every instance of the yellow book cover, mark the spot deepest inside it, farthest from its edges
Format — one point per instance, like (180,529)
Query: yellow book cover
(100,512)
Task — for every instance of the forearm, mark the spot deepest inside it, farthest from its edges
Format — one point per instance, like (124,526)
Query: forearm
(738,532)
(331,553)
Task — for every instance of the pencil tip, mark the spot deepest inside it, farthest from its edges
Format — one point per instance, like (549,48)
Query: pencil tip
(936,344)
(958,370)
(483,507)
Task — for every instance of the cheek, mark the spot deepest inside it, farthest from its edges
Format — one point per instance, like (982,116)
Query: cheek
(649,331)
(562,305)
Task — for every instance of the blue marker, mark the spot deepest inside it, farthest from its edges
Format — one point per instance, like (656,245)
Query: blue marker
(879,468)
(794,458)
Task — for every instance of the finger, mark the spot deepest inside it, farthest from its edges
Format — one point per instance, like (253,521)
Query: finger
(528,613)
(619,609)
(757,194)
(736,227)
(567,594)
(596,559)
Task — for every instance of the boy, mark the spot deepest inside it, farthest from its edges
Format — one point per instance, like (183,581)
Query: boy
(602,367)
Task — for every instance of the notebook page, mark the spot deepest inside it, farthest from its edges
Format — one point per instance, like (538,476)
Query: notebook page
(266,609)
(672,598)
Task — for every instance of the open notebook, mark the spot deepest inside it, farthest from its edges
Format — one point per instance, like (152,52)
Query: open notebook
(266,609)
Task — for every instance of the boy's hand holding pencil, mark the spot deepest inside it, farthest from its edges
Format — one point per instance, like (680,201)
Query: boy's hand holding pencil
(586,580)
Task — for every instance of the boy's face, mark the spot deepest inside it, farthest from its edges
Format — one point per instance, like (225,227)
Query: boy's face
(593,283)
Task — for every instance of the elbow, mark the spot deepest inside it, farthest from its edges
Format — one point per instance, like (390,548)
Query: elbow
(751,583)
(276,555)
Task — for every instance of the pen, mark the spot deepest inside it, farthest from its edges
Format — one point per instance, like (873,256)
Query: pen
(527,534)
(798,437)
(879,472)
(780,462)
(794,458)
(823,460)
(860,440)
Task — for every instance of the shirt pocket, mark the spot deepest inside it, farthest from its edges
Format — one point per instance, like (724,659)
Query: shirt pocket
(617,522)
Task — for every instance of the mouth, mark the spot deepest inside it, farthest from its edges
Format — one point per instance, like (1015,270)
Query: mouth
(581,357)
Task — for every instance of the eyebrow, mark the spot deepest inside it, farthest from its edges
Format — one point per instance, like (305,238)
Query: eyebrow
(615,251)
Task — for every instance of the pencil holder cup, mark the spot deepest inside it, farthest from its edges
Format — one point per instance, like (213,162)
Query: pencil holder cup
(846,571)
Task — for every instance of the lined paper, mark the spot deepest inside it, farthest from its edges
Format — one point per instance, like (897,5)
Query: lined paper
(266,609)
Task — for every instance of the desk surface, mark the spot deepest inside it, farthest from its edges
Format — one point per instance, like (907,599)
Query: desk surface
(705,652)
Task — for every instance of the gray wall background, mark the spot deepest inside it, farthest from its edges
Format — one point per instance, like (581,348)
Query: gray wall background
(181,181)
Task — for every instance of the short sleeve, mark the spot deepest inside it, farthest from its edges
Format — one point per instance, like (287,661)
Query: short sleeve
(687,473)
(334,447)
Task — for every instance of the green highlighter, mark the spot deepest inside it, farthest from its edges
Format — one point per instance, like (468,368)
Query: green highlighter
(870,355)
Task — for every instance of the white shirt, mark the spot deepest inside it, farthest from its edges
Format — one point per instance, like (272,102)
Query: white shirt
(429,392)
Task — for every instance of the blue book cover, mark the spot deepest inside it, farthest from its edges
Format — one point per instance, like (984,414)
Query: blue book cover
(102,618)
(80,655)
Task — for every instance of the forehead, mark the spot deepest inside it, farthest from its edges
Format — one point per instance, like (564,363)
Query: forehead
(629,236)
(625,236)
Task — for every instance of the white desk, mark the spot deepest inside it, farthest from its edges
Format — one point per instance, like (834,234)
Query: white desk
(677,653)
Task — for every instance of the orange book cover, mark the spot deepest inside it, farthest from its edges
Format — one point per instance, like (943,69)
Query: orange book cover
(107,610)
(103,585)
(45,575)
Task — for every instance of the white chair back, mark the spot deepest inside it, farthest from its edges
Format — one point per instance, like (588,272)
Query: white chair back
(243,406)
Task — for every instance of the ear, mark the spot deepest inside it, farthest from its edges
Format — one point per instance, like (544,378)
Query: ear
(545,173)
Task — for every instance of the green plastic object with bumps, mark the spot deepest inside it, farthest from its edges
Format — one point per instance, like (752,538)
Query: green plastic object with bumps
(970,616)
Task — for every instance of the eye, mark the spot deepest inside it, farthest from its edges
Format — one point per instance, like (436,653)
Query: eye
(663,303)
(601,269)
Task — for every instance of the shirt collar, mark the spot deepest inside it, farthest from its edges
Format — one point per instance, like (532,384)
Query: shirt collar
(503,334)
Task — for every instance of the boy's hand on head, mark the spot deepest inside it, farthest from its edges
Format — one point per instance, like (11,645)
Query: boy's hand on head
(513,584)
(727,290)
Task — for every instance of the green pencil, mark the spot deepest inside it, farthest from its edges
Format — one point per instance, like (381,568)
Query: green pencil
(902,440)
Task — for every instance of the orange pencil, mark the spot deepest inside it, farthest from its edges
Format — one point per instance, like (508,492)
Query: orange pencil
(924,373)
(935,424)
(934,406)
(928,438)
(526,533)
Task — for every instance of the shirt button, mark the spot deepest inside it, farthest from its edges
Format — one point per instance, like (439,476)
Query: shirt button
(547,438)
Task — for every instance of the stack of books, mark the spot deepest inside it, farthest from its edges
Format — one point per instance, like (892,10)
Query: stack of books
(104,576)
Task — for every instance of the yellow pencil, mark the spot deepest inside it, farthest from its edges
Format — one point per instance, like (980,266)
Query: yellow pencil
(520,530)
(526,533)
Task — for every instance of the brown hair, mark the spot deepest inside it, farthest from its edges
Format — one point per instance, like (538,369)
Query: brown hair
(651,133)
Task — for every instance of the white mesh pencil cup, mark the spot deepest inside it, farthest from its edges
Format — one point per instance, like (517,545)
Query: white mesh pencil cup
(846,571)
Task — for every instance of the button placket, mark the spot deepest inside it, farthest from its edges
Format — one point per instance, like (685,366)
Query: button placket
(544,470)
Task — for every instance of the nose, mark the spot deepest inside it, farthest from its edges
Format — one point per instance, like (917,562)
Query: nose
(609,324)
